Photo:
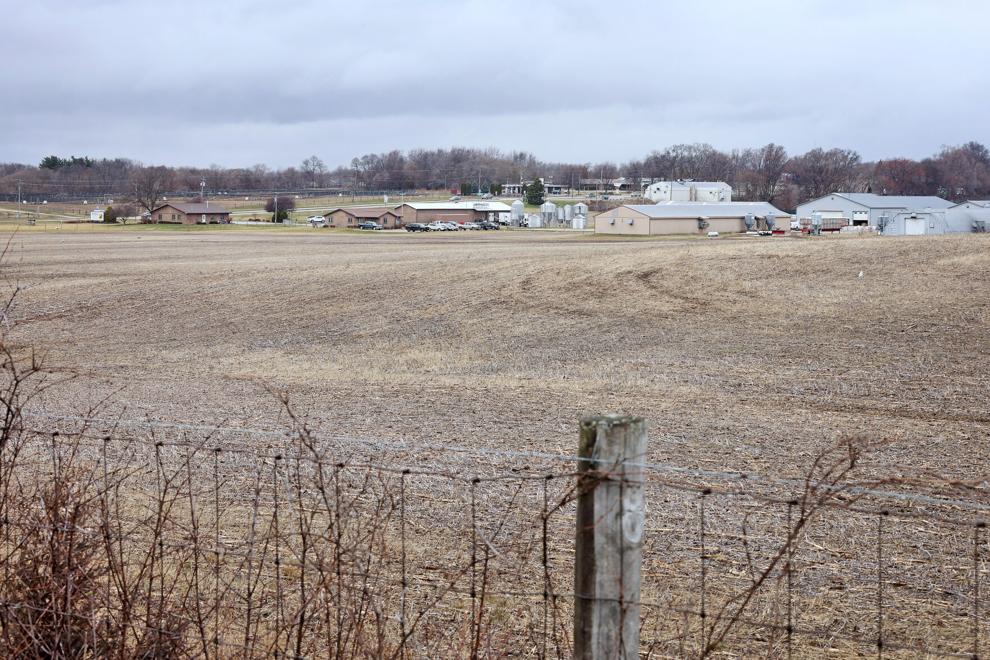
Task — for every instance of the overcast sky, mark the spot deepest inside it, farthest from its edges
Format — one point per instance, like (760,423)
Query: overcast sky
(240,82)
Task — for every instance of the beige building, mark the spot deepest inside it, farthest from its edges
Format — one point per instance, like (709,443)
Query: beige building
(190,214)
(352,216)
(458,212)
(690,218)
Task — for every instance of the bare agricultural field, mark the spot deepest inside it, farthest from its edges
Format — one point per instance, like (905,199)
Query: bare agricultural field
(745,355)
(742,354)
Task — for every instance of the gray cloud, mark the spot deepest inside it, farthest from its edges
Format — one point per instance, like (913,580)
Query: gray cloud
(241,82)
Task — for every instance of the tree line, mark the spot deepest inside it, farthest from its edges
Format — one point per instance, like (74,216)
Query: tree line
(766,173)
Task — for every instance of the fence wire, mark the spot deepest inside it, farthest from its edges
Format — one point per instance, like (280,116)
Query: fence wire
(183,539)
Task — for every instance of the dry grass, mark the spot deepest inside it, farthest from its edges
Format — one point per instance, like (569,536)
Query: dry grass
(749,355)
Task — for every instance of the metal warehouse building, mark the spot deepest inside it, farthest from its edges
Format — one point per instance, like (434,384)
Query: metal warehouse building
(690,218)
(959,219)
(426,212)
(969,216)
(869,210)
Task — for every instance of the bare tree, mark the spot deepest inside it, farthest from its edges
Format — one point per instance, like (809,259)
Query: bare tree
(149,185)
(821,172)
(962,172)
(314,169)
(771,161)
(280,207)
(121,212)
(899,176)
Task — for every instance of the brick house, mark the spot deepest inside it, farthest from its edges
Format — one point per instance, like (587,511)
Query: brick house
(190,214)
(351,216)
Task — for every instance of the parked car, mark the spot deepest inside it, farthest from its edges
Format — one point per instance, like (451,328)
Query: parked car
(456,227)
(448,226)
(369,225)
(486,196)
(436,226)
(488,225)
(455,198)
(796,225)
(471,225)
(416,226)
(317,221)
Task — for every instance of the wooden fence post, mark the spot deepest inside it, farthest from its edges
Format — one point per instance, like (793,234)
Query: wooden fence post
(609,540)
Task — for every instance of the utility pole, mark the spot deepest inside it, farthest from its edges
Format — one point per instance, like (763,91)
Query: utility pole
(276,206)
(18,198)
(202,192)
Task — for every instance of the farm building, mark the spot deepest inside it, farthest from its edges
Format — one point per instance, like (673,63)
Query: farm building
(353,215)
(518,189)
(190,214)
(688,191)
(426,212)
(690,218)
(866,209)
(968,216)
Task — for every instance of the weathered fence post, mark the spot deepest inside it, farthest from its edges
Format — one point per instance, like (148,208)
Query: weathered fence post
(609,541)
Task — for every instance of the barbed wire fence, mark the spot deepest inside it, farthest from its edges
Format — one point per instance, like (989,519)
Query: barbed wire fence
(141,537)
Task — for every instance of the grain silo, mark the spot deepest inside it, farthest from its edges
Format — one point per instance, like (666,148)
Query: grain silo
(548,212)
(518,212)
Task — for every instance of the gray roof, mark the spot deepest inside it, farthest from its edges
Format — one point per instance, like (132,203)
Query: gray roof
(874,201)
(364,211)
(195,208)
(458,206)
(985,203)
(696,184)
(707,209)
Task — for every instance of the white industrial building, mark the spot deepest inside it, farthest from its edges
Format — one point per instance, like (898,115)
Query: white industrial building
(519,189)
(688,191)
(890,215)
(971,216)
(691,218)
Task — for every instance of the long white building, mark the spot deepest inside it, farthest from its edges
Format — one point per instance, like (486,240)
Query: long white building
(688,191)
(887,214)
(691,218)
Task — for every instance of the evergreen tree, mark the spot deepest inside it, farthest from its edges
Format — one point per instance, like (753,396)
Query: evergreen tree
(535,193)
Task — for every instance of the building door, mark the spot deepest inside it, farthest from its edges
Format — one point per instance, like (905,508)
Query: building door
(914,226)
